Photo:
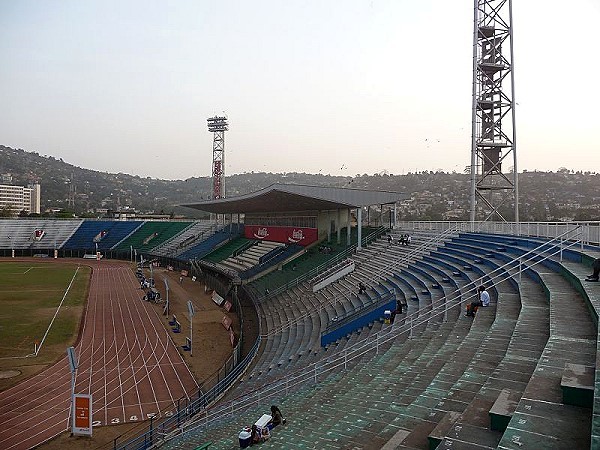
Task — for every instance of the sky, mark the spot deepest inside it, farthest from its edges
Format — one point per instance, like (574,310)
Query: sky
(340,87)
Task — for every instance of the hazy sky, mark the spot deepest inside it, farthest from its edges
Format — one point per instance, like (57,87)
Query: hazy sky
(342,87)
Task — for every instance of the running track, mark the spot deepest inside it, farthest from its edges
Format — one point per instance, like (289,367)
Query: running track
(127,361)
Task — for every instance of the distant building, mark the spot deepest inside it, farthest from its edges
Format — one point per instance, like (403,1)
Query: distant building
(20,198)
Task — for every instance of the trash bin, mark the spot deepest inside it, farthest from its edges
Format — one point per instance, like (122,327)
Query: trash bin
(244,438)
(387,316)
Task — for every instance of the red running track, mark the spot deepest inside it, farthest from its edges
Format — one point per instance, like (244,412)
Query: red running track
(127,362)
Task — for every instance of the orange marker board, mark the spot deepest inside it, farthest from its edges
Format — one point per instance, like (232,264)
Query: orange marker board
(82,423)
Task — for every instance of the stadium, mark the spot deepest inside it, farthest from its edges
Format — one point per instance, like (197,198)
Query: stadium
(310,317)
(346,374)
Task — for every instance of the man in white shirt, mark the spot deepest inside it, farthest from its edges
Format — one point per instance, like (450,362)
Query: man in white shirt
(484,296)
(483,300)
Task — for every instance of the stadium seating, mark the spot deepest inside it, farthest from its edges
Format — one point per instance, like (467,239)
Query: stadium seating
(103,233)
(439,385)
(151,235)
(189,236)
(207,245)
(19,233)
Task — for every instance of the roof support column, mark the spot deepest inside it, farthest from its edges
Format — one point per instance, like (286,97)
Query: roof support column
(338,221)
(348,224)
(359,223)
(328,226)
(395,215)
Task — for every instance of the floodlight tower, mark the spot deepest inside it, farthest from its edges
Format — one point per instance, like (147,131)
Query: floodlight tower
(218,126)
(493,114)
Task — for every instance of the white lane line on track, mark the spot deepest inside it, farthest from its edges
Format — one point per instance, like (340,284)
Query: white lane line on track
(132,347)
(39,347)
(114,300)
(158,347)
(40,383)
(126,363)
(143,367)
(167,344)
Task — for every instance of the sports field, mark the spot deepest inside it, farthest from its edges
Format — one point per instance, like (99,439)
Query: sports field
(40,303)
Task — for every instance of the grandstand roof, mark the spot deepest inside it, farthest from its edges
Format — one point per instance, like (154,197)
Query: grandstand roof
(293,197)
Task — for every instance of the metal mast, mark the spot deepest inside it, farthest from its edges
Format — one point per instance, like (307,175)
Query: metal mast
(218,126)
(493,190)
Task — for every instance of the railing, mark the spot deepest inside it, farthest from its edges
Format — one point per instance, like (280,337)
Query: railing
(380,276)
(590,231)
(316,371)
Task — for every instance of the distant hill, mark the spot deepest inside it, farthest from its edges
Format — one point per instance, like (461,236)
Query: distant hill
(561,195)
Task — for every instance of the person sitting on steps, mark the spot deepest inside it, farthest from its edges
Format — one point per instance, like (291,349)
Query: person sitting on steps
(277,417)
(482,300)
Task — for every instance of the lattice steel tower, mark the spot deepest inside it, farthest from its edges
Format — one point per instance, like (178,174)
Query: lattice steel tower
(493,190)
(218,126)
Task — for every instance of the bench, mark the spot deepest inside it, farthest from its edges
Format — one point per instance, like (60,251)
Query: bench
(438,434)
(503,408)
(577,385)
(204,446)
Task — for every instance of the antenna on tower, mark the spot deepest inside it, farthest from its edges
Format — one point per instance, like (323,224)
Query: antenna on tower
(218,125)
(72,192)
(493,114)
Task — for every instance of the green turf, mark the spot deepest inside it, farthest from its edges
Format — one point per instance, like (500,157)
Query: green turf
(30,293)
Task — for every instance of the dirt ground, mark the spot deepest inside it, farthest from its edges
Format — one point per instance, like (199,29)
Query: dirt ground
(211,349)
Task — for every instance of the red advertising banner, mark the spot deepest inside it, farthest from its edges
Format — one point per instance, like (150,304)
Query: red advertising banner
(286,235)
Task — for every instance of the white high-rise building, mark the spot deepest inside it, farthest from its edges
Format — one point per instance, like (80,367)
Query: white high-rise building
(19,198)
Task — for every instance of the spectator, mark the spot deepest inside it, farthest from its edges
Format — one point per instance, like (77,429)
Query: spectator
(255,436)
(482,300)
(399,307)
(596,269)
(277,416)
(361,288)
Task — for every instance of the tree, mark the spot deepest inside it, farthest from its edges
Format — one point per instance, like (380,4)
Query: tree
(6,211)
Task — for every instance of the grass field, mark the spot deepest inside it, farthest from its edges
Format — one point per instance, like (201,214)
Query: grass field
(30,293)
